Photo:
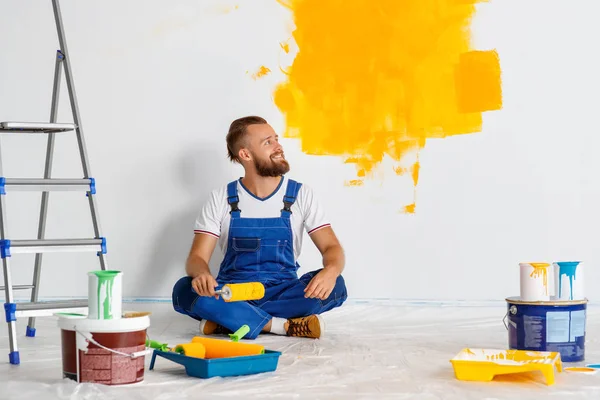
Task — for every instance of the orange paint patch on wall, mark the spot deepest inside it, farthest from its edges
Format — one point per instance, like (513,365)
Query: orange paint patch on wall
(478,85)
(372,79)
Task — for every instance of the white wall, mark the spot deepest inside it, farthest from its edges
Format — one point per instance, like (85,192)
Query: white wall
(159,82)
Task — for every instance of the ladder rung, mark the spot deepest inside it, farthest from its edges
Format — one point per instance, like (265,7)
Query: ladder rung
(48,308)
(35,127)
(21,184)
(18,287)
(51,305)
(8,247)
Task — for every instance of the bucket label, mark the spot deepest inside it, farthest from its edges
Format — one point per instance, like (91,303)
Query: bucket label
(577,324)
(557,327)
(533,331)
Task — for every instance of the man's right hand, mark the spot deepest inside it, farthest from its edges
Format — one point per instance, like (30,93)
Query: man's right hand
(204,284)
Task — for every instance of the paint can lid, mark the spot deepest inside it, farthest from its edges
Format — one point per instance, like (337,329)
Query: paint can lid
(517,300)
(119,325)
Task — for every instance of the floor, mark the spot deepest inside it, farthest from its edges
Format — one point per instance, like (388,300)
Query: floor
(372,349)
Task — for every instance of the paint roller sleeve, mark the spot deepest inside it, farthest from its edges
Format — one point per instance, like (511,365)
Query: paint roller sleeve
(242,291)
(191,350)
(216,348)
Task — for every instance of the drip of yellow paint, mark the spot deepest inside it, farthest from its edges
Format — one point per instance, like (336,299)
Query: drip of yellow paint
(262,71)
(285,47)
(540,269)
(406,76)
(415,172)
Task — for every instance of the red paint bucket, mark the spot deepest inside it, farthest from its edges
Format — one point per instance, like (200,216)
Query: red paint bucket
(110,352)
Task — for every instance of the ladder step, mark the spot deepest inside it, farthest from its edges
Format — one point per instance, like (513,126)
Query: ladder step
(48,308)
(18,287)
(8,247)
(26,184)
(35,127)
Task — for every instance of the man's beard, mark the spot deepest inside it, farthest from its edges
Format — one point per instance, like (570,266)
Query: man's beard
(271,168)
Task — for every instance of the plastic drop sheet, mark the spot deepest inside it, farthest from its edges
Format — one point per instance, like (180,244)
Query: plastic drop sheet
(371,350)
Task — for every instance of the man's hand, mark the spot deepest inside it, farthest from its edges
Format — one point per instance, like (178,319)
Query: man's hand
(321,285)
(204,284)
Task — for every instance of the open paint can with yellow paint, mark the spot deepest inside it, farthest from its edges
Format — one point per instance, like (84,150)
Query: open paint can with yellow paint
(105,292)
(537,281)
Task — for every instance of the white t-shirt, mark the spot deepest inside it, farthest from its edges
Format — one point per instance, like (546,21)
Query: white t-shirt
(307,212)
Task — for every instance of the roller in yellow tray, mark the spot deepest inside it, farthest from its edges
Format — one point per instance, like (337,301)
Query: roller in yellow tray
(242,291)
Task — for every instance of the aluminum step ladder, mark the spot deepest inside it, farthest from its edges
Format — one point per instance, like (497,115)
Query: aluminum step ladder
(87,184)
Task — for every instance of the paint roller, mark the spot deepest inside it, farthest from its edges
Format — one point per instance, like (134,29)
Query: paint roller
(202,347)
(241,291)
(207,348)
(217,348)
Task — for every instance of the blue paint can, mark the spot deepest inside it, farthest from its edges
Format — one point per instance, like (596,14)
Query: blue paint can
(547,326)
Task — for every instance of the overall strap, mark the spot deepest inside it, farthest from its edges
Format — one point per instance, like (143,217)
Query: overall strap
(289,198)
(233,199)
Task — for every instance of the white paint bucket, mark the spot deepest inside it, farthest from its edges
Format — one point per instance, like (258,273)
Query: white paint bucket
(110,352)
(569,280)
(537,281)
(105,294)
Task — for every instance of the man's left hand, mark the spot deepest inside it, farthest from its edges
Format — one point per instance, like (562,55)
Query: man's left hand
(321,285)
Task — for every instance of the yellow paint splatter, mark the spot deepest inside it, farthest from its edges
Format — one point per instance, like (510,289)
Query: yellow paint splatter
(388,87)
(410,209)
(354,182)
(540,269)
(285,47)
(262,71)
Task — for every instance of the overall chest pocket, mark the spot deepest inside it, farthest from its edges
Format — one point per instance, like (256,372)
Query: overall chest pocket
(246,244)
(247,252)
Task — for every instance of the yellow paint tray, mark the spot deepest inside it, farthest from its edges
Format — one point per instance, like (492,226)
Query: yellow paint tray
(485,364)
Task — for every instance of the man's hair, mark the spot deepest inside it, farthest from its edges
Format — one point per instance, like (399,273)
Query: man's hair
(237,133)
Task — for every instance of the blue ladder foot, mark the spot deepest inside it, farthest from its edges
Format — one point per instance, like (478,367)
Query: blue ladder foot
(30,332)
(13,357)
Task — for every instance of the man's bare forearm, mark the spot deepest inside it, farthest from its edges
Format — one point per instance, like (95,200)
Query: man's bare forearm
(334,259)
(195,266)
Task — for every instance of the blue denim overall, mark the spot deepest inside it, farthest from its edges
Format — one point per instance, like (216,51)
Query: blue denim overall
(258,250)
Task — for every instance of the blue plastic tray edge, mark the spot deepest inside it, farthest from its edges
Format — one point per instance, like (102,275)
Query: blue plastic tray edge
(204,365)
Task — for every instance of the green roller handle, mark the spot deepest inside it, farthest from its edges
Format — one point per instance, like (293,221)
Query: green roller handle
(240,333)
(157,345)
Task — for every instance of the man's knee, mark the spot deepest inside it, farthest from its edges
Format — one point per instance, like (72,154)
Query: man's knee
(183,296)
(338,295)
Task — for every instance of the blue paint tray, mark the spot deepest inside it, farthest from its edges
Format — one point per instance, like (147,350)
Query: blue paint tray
(229,366)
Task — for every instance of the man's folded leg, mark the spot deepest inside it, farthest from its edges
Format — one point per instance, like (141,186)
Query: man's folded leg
(302,315)
(217,312)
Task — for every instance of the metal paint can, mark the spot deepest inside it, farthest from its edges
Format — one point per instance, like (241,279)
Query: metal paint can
(547,326)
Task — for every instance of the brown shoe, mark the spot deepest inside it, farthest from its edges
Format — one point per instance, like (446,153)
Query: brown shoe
(310,327)
(212,328)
